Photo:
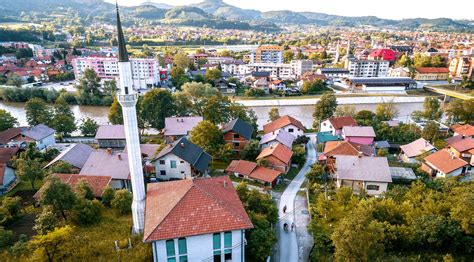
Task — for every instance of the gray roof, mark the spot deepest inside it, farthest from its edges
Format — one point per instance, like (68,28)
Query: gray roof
(402,173)
(189,152)
(356,168)
(38,132)
(334,70)
(110,132)
(103,163)
(261,74)
(180,126)
(381,80)
(75,155)
(359,131)
(240,127)
(281,136)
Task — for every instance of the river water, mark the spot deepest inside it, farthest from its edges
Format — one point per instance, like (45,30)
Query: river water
(303,113)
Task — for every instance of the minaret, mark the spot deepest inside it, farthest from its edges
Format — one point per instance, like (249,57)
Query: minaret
(336,58)
(128,99)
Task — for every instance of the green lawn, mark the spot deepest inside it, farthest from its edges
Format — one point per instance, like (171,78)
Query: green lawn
(218,164)
(25,186)
(288,176)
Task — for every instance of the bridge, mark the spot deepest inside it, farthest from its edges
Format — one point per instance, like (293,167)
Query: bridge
(450,93)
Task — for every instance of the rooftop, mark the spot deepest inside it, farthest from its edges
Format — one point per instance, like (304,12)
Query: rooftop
(373,169)
(417,148)
(280,136)
(282,122)
(110,132)
(240,127)
(189,152)
(358,131)
(75,155)
(180,126)
(38,132)
(279,151)
(444,161)
(340,122)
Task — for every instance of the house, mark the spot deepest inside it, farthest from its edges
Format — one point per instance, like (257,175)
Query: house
(363,135)
(41,135)
(463,130)
(110,164)
(7,173)
(371,174)
(149,152)
(181,160)
(323,137)
(431,74)
(444,164)
(277,137)
(178,127)
(111,136)
(416,148)
(462,147)
(335,124)
(252,171)
(75,155)
(199,219)
(98,184)
(287,123)
(237,133)
(332,149)
(277,157)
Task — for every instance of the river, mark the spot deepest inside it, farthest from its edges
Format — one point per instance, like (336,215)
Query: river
(303,113)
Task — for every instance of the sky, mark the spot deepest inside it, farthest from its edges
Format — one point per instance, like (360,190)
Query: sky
(381,8)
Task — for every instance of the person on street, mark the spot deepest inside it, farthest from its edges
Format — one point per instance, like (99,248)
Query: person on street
(284,209)
(285,227)
(293,226)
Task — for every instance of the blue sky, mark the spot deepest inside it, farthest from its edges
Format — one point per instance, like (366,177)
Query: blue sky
(463,9)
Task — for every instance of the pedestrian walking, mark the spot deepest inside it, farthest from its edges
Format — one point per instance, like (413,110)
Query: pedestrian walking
(284,209)
(293,226)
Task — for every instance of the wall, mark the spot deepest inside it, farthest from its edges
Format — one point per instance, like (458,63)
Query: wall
(112,143)
(229,138)
(296,131)
(45,142)
(382,188)
(200,248)
(326,126)
(182,170)
(276,164)
(360,140)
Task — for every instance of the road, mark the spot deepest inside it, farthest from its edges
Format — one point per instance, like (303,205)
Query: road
(288,245)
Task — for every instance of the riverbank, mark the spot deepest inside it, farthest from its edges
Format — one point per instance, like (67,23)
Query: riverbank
(340,101)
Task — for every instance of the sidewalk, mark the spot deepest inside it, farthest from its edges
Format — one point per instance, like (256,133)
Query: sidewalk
(302,220)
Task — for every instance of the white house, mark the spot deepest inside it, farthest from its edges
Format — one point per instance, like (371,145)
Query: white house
(415,149)
(286,123)
(371,174)
(335,124)
(202,220)
(444,164)
(181,160)
(41,135)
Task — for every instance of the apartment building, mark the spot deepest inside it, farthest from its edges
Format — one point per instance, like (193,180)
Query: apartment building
(299,67)
(146,71)
(367,68)
(461,66)
(277,70)
(267,54)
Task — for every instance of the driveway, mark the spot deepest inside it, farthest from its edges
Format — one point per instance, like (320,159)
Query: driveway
(288,244)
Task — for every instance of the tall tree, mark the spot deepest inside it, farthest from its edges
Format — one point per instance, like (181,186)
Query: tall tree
(30,170)
(89,83)
(37,112)
(63,120)
(88,127)
(208,136)
(181,60)
(325,108)
(198,93)
(157,104)
(386,111)
(461,111)
(273,114)
(58,195)
(431,110)
(6,120)
(213,74)
(115,113)
(53,245)
(431,131)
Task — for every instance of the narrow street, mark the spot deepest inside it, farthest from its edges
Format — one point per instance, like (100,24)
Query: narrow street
(288,244)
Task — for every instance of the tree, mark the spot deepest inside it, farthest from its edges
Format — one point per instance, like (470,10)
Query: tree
(208,136)
(365,118)
(288,56)
(63,120)
(37,112)
(15,80)
(6,120)
(386,111)
(213,74)
(184,106)
(88,127)
(6,237)
(110,88)
(345,110)
(108,196)
(86,211)
(461,111)
(62,167)
(46,221)
(53,245)
(431,131)
(89,84)
(115,113)
(314,87)
(30,170)
(317,174)
(198,93)
(122,201)
(181,60)
(251,150)
(324,108)
(299,155)
(84,190)
(58,195)
(431,110)
(157,104)
(218,110)
(273,114)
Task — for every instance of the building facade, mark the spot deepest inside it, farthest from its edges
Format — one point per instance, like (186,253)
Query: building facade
(367,68)
(267,54)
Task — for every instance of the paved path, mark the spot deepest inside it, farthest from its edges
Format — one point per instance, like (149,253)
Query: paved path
(288,244)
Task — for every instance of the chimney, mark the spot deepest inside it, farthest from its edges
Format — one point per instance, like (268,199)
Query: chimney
(360,154)
(181,144)
(463,137)
(119,156)
(109,151)
(225,184)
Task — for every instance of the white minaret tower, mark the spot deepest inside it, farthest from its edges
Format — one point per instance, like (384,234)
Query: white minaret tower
(128,99)
(336,58)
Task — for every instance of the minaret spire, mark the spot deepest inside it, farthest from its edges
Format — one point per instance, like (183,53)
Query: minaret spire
(123,54)
(128,99)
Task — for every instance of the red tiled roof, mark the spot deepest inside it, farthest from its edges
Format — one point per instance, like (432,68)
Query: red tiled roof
(193,207)
(461,143)
(282,122)
(279,151)
(265,174)
(97,183)
(345,148)
(432,70)
(7,153)
(444,161)
(463,130)
(241,166)
(340,122)
(8,134)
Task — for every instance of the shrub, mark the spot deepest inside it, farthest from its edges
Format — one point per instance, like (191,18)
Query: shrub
(86,211)
(6,237)
(46,221)
(255,92)
(122,201)
(84,190)
(108,196)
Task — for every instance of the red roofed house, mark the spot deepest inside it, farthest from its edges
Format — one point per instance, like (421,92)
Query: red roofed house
(278,157)
(335,124)
(287,123)
(199,219)
(431,74)
(462,147)
(250,170)
(444,164)
(359,134)
(463,130)
(383,54)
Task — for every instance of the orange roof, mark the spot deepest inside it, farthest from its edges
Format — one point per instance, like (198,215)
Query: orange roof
(279,151)
(331,145)
(265,174)
(193,207)
(463,130)
(97,183)
(444,161)
(282,122)
(340,122)
(241,166)
(432,70)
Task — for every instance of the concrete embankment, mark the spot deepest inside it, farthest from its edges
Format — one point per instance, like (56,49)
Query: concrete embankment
(340,101)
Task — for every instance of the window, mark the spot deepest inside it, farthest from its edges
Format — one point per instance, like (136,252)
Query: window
(373,187)
(216,244)
(173,163)
(236,136)
(182,250)
(162,162)
(228,246)
(163,172)
(290,130)
(182,162)
(170,252)
(236,144)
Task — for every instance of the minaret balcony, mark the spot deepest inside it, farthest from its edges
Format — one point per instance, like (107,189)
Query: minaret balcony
(128,100)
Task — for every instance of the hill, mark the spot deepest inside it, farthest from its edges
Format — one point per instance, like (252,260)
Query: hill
(230,12)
